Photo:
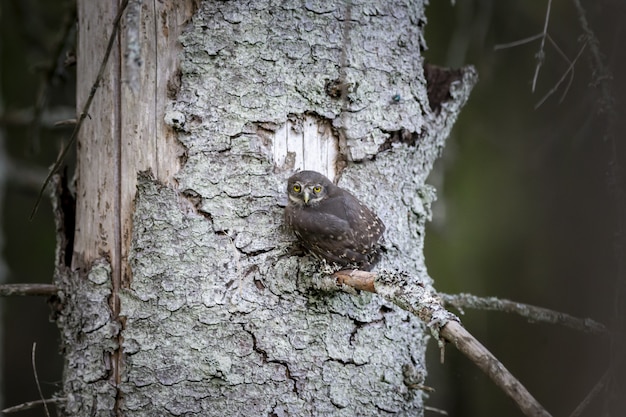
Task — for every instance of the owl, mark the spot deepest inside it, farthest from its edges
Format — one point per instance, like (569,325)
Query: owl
(330,222)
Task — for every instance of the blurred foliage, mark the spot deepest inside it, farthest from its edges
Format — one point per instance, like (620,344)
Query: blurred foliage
(525,211)
(34,39)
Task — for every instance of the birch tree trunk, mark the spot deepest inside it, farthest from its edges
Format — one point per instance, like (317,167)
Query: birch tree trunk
(180,294)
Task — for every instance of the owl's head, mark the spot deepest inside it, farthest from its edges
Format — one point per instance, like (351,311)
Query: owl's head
(308,188)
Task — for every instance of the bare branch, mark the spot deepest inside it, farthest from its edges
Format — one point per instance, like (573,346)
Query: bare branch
(480,355)
(46,290)
(528,311)
(411,295)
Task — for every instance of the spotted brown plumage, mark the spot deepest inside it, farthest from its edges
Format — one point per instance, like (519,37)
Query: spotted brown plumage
(331,222)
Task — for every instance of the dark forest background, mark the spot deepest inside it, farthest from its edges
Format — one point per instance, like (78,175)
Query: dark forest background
(531,204)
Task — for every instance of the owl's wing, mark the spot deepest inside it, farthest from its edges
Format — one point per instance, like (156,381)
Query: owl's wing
(366,225)
(339,228)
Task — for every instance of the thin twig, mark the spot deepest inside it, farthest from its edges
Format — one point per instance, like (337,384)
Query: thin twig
(541,54)
(518,43)
(528,311)
(566,58)
(412,296)
(85,111)
(556,86)
(558,49)
(32,404)
(46,290)
(45,405)
(592,394)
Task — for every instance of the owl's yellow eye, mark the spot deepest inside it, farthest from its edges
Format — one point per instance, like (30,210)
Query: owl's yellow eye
(297,188)
(317,189)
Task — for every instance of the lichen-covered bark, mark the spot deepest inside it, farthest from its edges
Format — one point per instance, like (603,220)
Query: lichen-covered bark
(213,330)
(89,338)
(219,317)
(217,302)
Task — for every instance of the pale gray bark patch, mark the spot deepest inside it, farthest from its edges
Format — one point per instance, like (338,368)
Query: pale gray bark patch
(89,339)
(233,334)
(276,60)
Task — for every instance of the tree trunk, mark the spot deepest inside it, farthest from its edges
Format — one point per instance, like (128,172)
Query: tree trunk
(183,296)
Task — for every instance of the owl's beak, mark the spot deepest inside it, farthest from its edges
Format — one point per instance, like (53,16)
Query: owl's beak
(307,196)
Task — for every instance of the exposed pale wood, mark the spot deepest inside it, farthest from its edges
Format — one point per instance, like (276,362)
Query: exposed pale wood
(307,143)
(127,115)
(150,51)
(360,280)
(97,150)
